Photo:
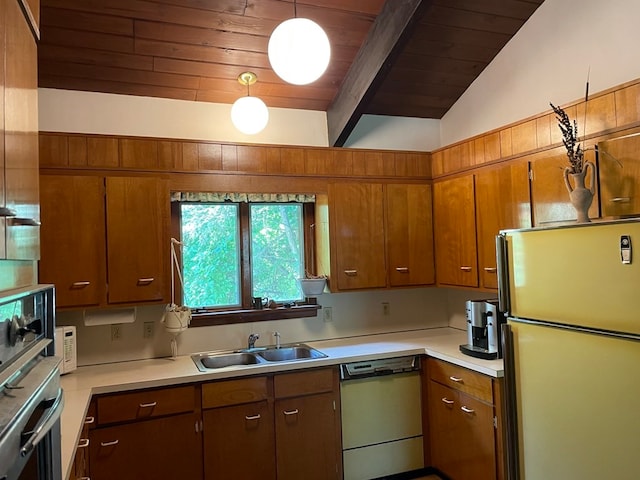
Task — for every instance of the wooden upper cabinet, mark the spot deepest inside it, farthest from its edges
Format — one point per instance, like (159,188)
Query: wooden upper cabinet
(3,27)
(409,234)
(549,195)
(137,213)
(73,238)
(356,216)
(619,170)
(20,137)
(502,202)
(455,232)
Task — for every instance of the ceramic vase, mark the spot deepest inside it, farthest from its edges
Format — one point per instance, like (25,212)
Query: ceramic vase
(580,194)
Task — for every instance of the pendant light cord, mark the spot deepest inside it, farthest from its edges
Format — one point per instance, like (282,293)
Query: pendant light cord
(295,9)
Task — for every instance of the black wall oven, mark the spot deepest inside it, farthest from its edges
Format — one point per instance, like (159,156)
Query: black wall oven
(31,399)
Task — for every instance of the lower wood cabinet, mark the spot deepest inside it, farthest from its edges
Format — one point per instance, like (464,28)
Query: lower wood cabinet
(463,415)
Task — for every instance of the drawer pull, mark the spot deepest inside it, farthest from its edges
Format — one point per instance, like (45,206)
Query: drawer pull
(351,273)
(80,284)
(490,269)
(447,401)
(83,478)
(402,269)
(465,268)
(291,412)
(467,409)
(148,405)
(145,281)
(109,444)
(252,417)
(83,443)
(89,420)
(620,200)
(456,379)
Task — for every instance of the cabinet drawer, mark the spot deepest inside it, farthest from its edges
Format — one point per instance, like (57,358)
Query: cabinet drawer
(304,383)
(234,392)
(145,404)
(461,379)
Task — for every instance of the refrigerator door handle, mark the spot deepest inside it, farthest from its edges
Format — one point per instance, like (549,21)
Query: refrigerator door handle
(503,273)
(510,404)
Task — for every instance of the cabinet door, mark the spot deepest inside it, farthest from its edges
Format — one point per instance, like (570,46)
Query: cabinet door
(21,137)
(239,442)
(137,239)
(549,195)
(619,172)
(168,447)
(306,438)
(73,238)
(409,233)
(502,201)
(461,434)
(357,235)
(455,232)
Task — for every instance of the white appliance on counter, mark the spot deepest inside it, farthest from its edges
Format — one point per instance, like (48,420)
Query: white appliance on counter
(65,341)
(381,417)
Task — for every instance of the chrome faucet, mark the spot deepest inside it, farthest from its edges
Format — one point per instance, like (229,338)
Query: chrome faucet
(277,335)
(252,340)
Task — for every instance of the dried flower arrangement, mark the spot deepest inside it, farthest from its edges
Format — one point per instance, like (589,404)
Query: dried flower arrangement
(569,131)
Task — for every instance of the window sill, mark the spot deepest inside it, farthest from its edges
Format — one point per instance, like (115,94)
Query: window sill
(244,316)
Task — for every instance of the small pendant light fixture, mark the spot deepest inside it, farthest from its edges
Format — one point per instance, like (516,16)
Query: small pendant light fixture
(299,50)
(249,114)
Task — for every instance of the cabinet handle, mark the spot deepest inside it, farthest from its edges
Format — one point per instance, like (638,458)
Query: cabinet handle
(351,273)
(456,379)
(109,444)
(467,409)
(402,269)
(490,269)
(253,417)
(24,222)
(83,443)
(290,412)
(80,284)
(447,401)
(145,281)
(83,478)
(89,420)
(148,405)
(620,200)
(465,268)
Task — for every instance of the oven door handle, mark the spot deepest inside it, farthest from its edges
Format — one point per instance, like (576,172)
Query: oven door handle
(45,424)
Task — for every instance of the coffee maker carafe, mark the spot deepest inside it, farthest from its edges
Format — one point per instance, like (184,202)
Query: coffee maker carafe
(484,322)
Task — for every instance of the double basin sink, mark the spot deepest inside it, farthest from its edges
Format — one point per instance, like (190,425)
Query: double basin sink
(256,356)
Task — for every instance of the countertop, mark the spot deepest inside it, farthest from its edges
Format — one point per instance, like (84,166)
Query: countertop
(80,385)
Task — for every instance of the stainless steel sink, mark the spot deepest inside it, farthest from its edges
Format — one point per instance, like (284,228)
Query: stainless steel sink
(263,355)
(290,352)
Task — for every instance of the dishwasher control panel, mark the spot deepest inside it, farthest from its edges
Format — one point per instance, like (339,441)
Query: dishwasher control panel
(383,366)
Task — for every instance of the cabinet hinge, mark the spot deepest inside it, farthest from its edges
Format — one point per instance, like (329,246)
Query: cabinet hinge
(495,422)
(531,175)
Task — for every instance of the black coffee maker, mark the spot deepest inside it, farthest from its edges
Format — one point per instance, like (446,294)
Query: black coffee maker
(484,321)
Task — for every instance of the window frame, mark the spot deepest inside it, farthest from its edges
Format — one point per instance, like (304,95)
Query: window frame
(245,313)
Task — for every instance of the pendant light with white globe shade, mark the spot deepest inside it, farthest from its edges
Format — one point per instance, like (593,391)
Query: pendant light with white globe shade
(299,50)
(249,114)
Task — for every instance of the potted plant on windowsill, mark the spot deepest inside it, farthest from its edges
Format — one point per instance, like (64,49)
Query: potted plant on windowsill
(312,287)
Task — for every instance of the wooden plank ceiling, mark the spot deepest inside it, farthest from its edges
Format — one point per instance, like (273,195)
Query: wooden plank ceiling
(409,58)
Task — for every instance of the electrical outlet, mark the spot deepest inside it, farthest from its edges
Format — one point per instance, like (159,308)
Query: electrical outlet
(327,314)
(148,329)
(386,309)
(116,332)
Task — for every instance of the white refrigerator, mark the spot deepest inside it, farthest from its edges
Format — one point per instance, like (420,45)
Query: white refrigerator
(571,349)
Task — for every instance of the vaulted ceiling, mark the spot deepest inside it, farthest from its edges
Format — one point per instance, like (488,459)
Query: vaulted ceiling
(410,58)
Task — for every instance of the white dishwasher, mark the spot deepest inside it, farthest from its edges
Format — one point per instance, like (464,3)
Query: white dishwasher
(381,417)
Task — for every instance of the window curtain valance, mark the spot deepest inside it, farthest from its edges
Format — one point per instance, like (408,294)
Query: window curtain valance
(242,197)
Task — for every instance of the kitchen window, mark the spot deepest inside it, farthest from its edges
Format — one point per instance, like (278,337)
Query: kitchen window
(237,247)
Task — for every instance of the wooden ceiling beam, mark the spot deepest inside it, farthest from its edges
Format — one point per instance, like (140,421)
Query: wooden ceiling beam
(390,31)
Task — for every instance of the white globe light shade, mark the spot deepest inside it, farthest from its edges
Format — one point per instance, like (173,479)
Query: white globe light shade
(250,115)
(299,51)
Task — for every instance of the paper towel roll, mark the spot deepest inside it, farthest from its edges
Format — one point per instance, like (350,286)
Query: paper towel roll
(109,317)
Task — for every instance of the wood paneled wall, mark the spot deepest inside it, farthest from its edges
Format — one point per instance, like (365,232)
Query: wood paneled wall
(604,113)
(76,151)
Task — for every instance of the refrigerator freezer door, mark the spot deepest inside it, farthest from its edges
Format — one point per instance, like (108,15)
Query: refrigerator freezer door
(577,404)
(575,276)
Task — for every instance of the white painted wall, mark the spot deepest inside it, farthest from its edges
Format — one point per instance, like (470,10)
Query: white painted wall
(381,132)
(547,61)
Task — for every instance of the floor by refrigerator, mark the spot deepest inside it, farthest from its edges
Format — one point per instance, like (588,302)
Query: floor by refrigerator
(572,351)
